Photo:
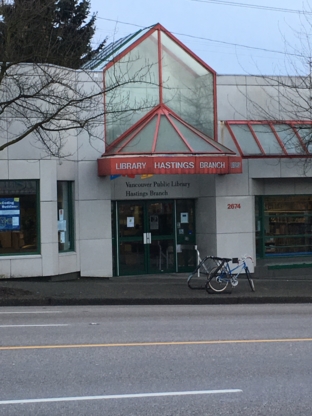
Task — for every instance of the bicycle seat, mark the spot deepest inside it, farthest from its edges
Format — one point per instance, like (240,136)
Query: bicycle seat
(224,259)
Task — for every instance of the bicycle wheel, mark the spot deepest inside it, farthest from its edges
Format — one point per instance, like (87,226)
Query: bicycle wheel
(250,281)
(200,275)
(217,280)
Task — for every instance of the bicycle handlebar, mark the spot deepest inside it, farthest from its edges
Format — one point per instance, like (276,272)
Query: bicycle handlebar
(245,257)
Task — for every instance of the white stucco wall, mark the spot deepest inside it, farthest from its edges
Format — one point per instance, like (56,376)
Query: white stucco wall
(28,160)
(224,203)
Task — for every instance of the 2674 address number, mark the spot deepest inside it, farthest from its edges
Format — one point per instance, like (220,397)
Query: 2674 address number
(233,206)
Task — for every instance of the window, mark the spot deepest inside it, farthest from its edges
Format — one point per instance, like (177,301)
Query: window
(283,225)
(19,217)
(65,216)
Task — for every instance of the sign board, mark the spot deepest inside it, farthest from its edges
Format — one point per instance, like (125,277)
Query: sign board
(9,214)
(154,222)
(130,222)
(168,165)
(184,218)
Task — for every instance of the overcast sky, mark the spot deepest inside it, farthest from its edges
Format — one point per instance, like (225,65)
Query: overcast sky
(214,30)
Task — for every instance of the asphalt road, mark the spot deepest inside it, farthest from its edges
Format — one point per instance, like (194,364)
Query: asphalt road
(157,360)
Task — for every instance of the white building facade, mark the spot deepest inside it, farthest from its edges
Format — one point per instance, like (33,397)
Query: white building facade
(201,166)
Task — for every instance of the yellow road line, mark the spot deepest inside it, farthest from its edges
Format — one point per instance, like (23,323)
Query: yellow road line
(153,344)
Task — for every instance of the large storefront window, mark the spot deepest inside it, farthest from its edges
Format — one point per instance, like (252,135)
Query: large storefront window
(283,225)
(65,216)
(19,217)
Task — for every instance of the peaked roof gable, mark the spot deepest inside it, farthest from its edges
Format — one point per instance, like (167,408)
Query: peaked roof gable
(178,135)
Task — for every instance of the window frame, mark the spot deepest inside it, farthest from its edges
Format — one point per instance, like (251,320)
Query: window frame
(38,220)
(71,216)
(283,222)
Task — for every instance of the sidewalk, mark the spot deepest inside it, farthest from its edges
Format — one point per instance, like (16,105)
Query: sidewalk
(146,290)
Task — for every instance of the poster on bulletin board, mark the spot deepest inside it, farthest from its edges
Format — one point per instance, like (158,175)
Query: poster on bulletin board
(9,214)
(184,218)
(130,222)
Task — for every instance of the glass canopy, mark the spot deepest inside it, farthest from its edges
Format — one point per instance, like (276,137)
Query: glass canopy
(268,138)
(164,132)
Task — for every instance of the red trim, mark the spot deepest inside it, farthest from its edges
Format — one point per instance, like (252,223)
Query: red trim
(300,139)
(160,68)
(160,110)
(130,47)
(291,123)
(180,61)
(215,131)
(159,28)
(104,101)
(185,154)
(256,138)
(186,49)
(197,132)
(209,69)
(136,132)
(277,156)
(133,128)
(278,138)
(156,133)
(234,138)
(131,136)
(168,165)
(179,133)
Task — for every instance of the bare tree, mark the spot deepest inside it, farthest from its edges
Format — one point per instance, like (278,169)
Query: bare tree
(51,104)
(289,97)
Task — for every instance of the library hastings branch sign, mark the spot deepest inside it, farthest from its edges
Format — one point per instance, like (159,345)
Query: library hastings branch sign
(168,165)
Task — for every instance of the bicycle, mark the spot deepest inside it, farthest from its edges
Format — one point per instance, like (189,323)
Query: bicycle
(221,275)
(202,271)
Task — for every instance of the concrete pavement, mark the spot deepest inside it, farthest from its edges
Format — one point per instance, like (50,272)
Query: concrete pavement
(143,290)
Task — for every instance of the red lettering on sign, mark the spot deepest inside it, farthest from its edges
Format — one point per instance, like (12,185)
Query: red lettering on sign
(233,206)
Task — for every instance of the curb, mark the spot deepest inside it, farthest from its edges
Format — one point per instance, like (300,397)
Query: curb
(154,301)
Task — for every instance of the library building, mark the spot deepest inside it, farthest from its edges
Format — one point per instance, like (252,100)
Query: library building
(197,168)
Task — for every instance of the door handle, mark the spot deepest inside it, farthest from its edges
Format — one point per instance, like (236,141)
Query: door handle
(147,238)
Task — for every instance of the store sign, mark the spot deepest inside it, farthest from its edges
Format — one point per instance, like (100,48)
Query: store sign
(168,165)
(152,188)
(9,214)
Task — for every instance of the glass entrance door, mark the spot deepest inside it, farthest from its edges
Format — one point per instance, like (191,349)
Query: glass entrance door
(146,237)
(160,225)
(130,228)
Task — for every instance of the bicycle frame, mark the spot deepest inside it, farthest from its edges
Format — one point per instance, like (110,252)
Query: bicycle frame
(236,271)
(228,274)
(220,274)
(223,274)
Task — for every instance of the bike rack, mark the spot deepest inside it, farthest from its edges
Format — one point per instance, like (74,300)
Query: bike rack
(198,259)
